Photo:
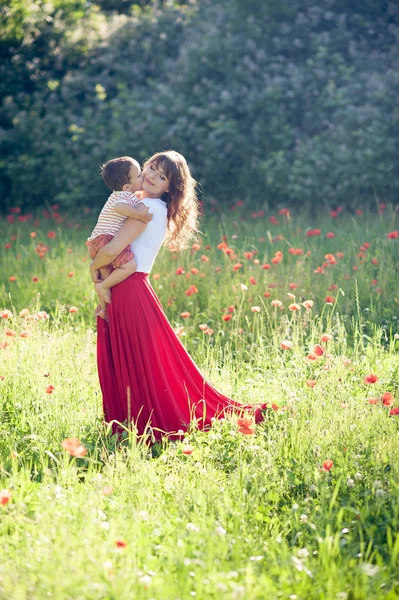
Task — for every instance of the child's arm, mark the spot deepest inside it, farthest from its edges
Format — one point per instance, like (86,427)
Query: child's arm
(124,209)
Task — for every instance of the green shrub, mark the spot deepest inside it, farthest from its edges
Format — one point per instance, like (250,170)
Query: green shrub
(275,104)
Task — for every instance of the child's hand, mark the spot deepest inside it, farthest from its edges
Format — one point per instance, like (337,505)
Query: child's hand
(145,216)
(95,275)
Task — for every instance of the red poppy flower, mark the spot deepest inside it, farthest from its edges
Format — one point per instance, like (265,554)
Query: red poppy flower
(246,425)
(371,378)
(318,350)
(73,309)
(293,286)
(328,465)
(393,235)
(6,314)
(330,235)
(319,270)
(266,266)
(187,449)
(12,278)
(329,300)
(74,447)
(294,307)
(313,232)
(119,543)
(179,271)
(295,251)
(50,389)
(71,274)
(273,220)
(267,294)
(10,332)
(51,234)
(276,303)
(42,315)
(231,308)
(308,304)
(372,400)
(185,315)
(5,496)
(195,247)
(286,344)
(387,399)
(191,290)
(394,411)
(226,317)
(326,337)
(205,258)
(255,309)
(237,266)
(252,280)
(330,259)
(311,383)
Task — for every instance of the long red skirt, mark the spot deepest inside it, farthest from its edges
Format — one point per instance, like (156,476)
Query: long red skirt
(146,375)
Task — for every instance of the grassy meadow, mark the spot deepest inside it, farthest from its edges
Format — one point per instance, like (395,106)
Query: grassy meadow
(296,310)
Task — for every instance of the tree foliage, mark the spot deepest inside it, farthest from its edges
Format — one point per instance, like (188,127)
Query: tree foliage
(275,102)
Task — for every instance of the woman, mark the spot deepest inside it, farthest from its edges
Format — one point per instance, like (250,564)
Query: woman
(145,373)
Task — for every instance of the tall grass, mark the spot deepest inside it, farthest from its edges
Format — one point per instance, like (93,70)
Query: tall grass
(218,514)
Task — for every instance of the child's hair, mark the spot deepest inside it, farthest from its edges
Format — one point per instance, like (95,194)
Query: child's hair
(116,172)
(180,198)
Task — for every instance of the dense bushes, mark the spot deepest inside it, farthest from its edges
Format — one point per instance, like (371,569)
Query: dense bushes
(270,102)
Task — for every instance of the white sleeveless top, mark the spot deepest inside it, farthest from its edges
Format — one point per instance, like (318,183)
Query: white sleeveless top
(146,246)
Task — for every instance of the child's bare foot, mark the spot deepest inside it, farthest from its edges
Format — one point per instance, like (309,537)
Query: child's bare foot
(103,314)
(101,311)
(103,293)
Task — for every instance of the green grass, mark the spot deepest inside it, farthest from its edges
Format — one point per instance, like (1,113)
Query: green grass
(242,516)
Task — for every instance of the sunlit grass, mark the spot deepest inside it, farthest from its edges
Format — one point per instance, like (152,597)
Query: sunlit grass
(239,516)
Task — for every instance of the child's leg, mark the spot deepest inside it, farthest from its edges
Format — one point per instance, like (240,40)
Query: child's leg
(102,312)
(118,275)
(105,272)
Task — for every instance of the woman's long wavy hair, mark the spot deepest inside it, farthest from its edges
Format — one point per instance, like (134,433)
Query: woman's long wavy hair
(181,198)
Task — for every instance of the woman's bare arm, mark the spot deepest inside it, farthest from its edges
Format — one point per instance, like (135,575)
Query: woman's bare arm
(127,233)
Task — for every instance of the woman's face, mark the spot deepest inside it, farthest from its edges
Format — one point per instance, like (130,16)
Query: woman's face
(155,182)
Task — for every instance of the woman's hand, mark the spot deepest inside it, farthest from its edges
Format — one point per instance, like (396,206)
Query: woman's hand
(107,254)
(94,274)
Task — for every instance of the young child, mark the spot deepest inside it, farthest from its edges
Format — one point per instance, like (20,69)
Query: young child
(124,177)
